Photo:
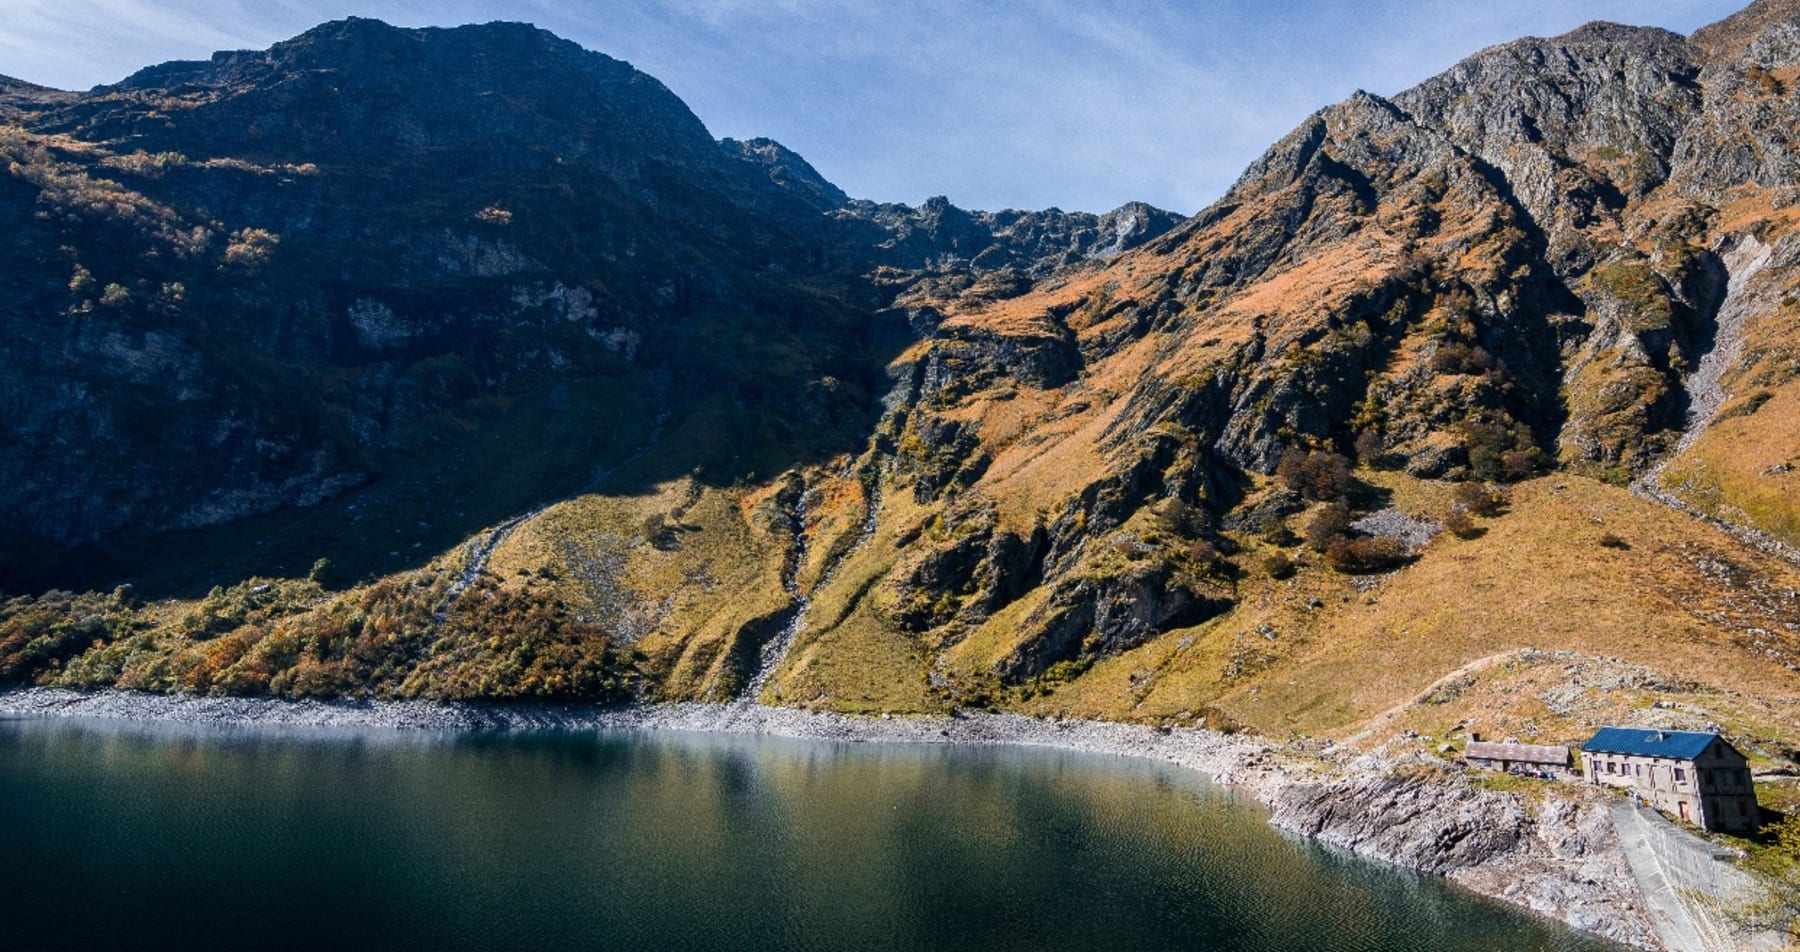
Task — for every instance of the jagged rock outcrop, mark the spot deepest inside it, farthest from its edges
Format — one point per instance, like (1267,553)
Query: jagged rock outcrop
(938,236)
(1562,860)
(788,171)
(1437,828)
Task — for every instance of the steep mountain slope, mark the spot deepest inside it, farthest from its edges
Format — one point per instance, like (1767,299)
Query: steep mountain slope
(479,263)
(882,458)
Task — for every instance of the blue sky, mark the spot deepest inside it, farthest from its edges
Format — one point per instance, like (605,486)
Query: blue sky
(1082,104)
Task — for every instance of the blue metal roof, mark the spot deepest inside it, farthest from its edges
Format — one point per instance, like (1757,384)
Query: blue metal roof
(1646,742)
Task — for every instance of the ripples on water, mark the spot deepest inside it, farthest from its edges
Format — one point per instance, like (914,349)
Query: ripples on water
(133,836)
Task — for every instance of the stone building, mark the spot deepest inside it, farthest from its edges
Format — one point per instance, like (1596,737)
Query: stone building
(1697,776)
(1530,758)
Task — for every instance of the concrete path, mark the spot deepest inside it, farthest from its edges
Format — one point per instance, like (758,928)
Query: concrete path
(1686,882)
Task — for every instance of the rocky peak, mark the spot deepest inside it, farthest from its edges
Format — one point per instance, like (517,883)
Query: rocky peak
(1572,126)
(787,171)
(1733,35)
(509,92)
(941,236)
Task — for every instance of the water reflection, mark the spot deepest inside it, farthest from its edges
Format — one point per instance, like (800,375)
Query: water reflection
(167,836)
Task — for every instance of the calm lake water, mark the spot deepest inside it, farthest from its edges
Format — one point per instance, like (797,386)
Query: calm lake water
(147,837)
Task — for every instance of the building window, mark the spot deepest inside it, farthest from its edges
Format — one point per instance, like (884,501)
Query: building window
(1680,775)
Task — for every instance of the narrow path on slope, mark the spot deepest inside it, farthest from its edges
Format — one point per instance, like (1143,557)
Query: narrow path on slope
(1387,717)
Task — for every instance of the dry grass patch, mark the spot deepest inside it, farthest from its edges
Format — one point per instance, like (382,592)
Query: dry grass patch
(1318,655)
(1746,467)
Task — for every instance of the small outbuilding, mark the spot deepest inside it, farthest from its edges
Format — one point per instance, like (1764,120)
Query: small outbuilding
(1523,758)
(1695,775)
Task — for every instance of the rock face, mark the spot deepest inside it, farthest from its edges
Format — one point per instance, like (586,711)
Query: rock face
(1404,822)
(257,282)
(1562,860)
(938,236)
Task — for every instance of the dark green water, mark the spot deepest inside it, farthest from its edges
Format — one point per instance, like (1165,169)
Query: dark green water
(127,836)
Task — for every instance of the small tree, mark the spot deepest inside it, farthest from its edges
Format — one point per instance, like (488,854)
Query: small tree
(1289,469)
(1274,530)
(1325,476)
(1328,525)
(1278,565)
(1460,523)
(1203,553)
(1371,449)
(1480,499)
(1319,475)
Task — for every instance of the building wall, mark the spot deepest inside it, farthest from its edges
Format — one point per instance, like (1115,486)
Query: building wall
(1714,792)
(1491,763)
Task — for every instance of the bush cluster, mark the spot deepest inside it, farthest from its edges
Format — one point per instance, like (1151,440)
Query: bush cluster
(1456,357)
(1357,554)
(1482,500)
(1501,453)
(401,637)
(1319,475)
(39,635)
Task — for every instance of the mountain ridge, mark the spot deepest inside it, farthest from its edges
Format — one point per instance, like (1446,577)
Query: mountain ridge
(629,412)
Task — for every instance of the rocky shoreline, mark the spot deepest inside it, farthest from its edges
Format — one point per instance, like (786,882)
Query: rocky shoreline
(1558,858)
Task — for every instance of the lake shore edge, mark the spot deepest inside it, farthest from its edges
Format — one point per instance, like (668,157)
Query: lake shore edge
(1559,858)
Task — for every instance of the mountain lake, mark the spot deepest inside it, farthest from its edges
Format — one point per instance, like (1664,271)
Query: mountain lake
(152,836)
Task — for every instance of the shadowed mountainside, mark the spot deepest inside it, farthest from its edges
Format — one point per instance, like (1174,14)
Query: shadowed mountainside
(478,264)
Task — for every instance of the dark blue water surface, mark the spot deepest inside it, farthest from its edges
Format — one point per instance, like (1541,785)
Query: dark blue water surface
(145,837)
